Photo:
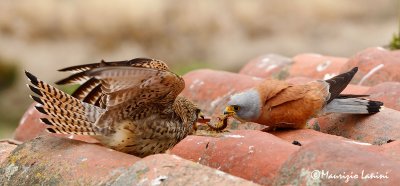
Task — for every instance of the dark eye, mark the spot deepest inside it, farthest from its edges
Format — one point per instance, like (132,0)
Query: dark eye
(235,107)
(198,111)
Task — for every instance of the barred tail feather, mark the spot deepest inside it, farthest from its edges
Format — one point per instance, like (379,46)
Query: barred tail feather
(79,127)
(50,91)
(66,114)
(58,130)
(57,112)
(52,103)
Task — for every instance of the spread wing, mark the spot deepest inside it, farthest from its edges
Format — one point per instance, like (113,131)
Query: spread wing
(135,92)
(121,85)
(90,90)
(133,88)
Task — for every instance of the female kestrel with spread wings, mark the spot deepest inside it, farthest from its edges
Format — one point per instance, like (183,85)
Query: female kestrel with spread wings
(130,106)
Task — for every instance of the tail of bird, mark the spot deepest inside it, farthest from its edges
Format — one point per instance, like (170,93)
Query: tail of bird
(65,114)
(353,105)
(347,103)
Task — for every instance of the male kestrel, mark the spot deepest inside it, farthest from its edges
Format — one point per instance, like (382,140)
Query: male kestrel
(283,105)
(130,106)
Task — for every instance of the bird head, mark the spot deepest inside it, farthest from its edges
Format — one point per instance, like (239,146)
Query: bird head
(244,106)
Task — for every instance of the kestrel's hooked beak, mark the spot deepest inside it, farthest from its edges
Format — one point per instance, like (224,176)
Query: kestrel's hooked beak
(230,111)
(201,118)
(201,115)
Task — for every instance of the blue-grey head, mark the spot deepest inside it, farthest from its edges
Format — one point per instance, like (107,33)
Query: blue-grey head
(244,106)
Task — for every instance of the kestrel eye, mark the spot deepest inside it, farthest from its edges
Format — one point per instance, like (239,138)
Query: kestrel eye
(236,107)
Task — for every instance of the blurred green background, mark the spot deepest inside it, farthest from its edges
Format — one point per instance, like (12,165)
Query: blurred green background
(44,35)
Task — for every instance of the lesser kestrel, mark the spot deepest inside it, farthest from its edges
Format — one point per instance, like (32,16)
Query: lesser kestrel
(283,105)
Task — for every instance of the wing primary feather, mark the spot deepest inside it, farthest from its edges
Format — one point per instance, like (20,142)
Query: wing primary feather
(341,96)
(137,62)
(338,83)
(84,90)
(79,68)
(74,78)
(94,94)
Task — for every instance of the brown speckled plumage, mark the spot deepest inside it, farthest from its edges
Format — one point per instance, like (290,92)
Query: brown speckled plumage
(130,106)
